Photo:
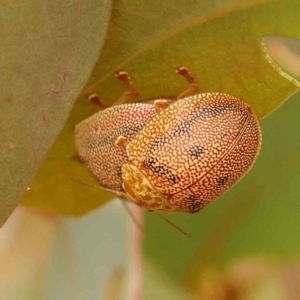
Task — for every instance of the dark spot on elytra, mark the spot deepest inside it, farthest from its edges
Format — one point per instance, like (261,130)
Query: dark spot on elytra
(183,128)
(194,203)
(222,180)
(173,178)
(196,151)
(157,143)
(131,130)
(161,170)
(195,207)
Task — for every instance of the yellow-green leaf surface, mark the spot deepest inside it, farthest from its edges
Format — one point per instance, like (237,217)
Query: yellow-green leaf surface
(47,51)
(220,42)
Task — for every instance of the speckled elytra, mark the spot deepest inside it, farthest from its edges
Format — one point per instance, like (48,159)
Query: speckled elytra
(174,155)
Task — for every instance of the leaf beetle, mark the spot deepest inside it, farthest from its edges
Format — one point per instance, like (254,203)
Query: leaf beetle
(176,154)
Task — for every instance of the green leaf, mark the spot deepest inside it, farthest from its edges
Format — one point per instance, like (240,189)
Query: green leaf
(221,44)
(47,51)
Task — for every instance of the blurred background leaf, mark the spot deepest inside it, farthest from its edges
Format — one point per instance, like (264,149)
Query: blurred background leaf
(25,246)
(250,278)
(47,257)
(48,49)
(113,285)
(220,42)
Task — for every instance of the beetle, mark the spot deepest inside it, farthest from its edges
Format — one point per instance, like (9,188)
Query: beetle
(175,155)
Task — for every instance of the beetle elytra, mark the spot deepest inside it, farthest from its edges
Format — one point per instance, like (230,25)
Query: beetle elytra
(174,155)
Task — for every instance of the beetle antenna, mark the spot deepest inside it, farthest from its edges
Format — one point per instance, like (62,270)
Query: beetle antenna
(86,184)
(172,224)
(132,216)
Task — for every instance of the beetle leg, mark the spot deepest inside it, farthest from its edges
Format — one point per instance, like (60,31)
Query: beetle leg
(160,105)
(193,86)
(128,95)
(94,98)
(121,141)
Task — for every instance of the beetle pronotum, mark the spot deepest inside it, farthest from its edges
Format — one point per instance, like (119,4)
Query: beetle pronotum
(173,155)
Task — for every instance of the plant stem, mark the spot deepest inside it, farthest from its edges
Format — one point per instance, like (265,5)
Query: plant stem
(136,256)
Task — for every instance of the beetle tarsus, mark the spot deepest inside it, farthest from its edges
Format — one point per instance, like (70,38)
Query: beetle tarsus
(160,105)
(193,86)
(95,99)
(128,95)
(121,141)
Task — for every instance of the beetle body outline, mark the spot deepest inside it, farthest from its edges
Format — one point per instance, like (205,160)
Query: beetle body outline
(178,157)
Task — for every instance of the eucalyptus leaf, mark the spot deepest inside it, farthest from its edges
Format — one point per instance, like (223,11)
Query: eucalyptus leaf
(48,49)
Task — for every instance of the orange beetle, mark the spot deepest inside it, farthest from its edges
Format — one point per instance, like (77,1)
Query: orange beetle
(172,155)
